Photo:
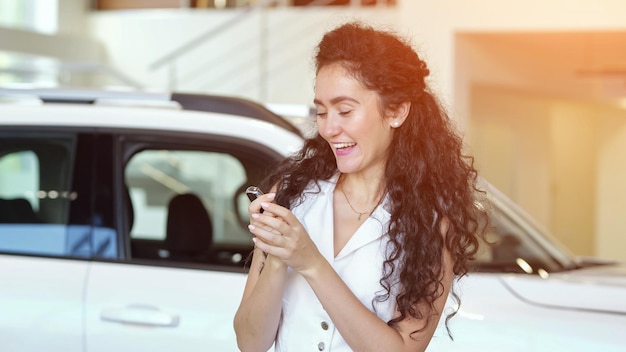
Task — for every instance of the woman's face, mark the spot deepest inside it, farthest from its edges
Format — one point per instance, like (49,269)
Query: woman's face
(349,119)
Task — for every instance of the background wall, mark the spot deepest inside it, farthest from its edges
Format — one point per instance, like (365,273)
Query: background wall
(610,239)
(511,141)
(544,154)
(263,55)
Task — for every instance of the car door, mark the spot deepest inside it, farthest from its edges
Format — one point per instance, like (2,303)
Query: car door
(182,215)
(45,238)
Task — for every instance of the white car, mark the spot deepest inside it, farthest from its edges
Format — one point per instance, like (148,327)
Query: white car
(123,228)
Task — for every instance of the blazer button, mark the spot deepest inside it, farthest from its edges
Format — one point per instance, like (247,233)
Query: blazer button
(324,325)
(320,346)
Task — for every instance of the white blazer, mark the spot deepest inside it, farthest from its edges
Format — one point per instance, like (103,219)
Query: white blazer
(305,326)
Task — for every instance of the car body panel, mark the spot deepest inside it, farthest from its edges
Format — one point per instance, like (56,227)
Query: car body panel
(87,116)
(41,303)
(493,318)
(599,289)
(155,308)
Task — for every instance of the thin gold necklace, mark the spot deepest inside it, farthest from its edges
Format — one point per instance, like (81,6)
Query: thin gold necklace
(351,207)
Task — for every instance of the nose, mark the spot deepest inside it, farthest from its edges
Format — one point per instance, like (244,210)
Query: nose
(329,126)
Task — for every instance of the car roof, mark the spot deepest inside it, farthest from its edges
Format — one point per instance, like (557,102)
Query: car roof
(143,112)
(185,101)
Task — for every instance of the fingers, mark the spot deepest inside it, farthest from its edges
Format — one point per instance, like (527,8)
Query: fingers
(269,227)
(264,213)
(283,236)
(276,230)
(267,248)
(255,205)
(267,235)
(255,209)
(275,209)
(262,221)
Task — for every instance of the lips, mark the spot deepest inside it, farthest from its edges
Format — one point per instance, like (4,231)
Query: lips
(343,148)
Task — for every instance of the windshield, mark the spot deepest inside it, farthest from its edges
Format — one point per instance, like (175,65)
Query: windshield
(518,244)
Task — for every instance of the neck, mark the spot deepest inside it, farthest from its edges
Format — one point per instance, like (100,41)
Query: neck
(363,192)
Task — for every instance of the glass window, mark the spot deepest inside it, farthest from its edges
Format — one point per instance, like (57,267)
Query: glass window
(512,249)
(37,15)
(35,197)
(19,176)
(186,204)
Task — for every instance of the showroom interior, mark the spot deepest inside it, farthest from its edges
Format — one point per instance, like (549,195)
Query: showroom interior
(537,88)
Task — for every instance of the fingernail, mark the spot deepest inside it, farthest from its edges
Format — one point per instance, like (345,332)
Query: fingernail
(251,227)
(255,216)
(271,195)
(265,204)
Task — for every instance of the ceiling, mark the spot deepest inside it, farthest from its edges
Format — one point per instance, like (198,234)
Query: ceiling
(588,66)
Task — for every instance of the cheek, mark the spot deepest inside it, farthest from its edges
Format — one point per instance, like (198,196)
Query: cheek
(383,138)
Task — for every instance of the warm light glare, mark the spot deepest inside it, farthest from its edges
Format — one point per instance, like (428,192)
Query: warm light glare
(524,265)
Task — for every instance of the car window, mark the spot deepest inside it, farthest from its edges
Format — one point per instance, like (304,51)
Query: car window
(45,196)
(35,195)
(188,205)
(32,215)
(510,248)
(156,177)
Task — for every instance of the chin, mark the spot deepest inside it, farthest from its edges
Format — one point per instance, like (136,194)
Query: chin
(346,169)
(349,164)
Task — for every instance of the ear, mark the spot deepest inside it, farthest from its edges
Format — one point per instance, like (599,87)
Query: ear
(397,116)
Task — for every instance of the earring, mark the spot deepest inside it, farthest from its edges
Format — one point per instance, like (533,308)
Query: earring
(395,124)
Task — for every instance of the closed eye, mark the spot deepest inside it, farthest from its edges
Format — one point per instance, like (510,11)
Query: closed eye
(345,113)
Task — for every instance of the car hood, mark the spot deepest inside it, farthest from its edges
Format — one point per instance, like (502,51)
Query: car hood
(597,289)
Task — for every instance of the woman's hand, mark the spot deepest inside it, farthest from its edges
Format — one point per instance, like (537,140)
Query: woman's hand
(258,316)
(279,233)
(255,209)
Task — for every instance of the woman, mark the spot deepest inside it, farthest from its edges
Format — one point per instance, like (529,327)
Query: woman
(357,245)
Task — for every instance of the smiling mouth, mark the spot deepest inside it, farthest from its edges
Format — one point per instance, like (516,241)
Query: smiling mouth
(340,146)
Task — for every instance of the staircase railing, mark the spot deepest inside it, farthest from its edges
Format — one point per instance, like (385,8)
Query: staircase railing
(170,59)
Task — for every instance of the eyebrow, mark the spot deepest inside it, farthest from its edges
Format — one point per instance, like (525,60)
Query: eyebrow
(335,100)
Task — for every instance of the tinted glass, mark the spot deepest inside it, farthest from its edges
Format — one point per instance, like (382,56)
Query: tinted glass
(513,248)
(186,203)
(46,200)
(155,177)
(35,195)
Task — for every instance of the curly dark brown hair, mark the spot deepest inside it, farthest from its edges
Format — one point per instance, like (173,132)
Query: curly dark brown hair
(427,176)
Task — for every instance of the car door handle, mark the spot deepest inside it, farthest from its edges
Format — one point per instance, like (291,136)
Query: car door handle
(140,314)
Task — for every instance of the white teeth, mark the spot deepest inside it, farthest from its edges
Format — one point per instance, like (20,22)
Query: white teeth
(343,145)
